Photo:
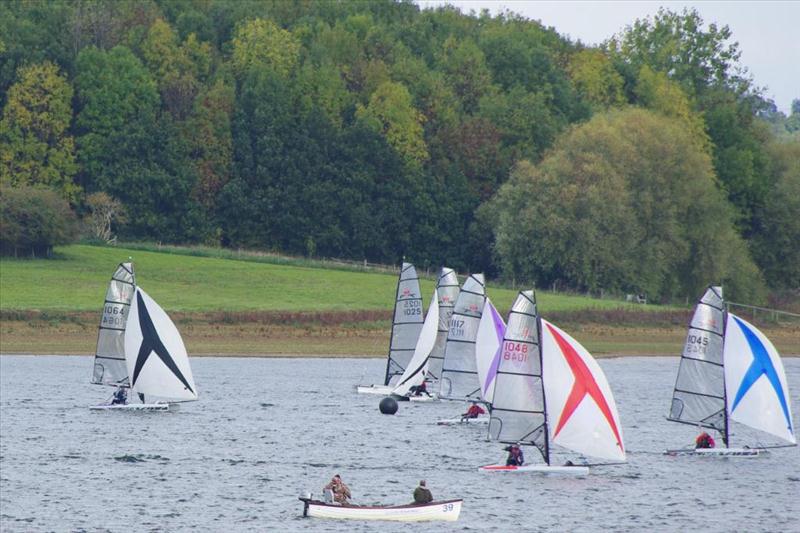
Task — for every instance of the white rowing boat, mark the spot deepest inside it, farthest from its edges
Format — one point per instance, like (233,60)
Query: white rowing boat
(447,510)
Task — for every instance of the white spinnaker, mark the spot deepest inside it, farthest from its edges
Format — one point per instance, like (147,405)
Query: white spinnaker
(418,366)
(109,359)
(581,412)
(406,323)
(155,379)
(459,379)
(491,330)
(447,287)
(755,382)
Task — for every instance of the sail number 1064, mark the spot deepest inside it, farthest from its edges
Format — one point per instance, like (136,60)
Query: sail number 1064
(515,351)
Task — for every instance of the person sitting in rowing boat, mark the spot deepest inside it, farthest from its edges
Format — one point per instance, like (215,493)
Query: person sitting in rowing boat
(704,440)
(422,494)
(419,390)
(515,457)
(120,397)
(341,492)
(474,411)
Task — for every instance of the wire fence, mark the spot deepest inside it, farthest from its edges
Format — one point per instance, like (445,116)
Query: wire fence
(764,314)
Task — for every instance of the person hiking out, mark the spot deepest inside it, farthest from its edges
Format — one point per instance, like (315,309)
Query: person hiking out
(704,440)
(474,411)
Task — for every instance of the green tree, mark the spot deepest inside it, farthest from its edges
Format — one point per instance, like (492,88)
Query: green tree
(262,42)
(33,220)
(35,145)
(596,79)
(627,201)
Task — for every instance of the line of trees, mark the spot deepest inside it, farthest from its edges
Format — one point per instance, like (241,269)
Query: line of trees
(378,130)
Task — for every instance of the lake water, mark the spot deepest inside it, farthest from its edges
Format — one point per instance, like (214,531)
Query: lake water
(266,430)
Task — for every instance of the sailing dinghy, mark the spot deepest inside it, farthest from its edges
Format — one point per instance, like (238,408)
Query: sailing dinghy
(447,510)
(447,287)
(406,326)
(416,371)
(550,390)
(729,370)
(154,362)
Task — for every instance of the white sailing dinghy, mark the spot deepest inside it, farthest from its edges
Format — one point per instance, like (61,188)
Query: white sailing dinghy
(416,371)
(488,341)
(729,370)
(447,287)
(550,390)
(459,380)
(156,364)
(406,326)
(446,510)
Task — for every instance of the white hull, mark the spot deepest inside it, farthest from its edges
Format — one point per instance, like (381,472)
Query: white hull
(717,452)
(542,469)
(383,390)
(444,510)
(480,421)
(134,407)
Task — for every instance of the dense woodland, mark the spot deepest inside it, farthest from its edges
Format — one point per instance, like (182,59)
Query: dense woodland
(376,130)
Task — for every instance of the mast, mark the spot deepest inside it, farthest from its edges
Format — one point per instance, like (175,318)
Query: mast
(725,434)
(546,453)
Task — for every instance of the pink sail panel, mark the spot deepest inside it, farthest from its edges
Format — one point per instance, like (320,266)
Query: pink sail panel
(581,412)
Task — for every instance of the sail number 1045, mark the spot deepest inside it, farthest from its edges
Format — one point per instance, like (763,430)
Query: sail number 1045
(515,351)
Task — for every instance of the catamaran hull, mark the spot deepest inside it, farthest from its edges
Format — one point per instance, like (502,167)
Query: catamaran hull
(423,398)
(135,407)
(542,469)
(445,510)
(717,452)
(480,421)
(383,390)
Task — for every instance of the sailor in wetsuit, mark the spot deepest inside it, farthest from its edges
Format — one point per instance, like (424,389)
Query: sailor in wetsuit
(515,457)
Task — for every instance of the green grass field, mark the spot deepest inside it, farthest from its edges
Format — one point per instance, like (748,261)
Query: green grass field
(76,280)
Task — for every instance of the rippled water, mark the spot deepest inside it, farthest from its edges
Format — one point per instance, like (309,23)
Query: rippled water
(266,429)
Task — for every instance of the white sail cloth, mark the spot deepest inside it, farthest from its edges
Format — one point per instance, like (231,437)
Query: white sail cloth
(406,322)
(447,288)
(109,360)
(415,371)
(156,357)
(488,341)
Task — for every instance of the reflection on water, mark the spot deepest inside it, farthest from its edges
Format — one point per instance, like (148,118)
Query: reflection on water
(266,430)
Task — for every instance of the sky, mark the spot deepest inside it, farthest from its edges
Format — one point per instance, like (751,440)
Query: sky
(768,32)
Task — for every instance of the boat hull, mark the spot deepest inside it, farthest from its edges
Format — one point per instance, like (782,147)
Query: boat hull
(444,510)
(716,452)
(134,407)
(384,390)
(542,469)
(480,421)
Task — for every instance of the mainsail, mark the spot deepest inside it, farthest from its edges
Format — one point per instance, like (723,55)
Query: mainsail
(518,410)
(418,366)
(581,410)
(156,357)
(447,287)
(488,343)
(459,378)
(757,392)
(109,359)
(406,322)
(699,397)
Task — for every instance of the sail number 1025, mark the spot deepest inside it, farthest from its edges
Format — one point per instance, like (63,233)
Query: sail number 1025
(515,351)
(412,307)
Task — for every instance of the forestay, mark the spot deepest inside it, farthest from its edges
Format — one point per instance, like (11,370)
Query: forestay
(488,343)
(459,371)
(581,412)
(109,359)
(417,367)
(518,410)
(447,287)
(156,357)
(699,397)
(757,392)
(406,322)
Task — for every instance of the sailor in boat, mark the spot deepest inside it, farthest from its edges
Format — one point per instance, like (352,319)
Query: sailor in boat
(704,440)
(341,492)
(515,457)
(422,494)
(120,397)
(419,390)
(474,411)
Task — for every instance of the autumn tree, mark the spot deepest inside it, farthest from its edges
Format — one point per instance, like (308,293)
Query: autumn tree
(35,145)
(262,42)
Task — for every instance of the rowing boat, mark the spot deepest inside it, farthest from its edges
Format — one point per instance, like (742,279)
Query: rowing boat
(447,510)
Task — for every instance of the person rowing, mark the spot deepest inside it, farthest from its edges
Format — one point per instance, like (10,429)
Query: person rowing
(341,492)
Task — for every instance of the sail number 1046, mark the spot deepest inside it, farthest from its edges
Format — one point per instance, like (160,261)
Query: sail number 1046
(515,351)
